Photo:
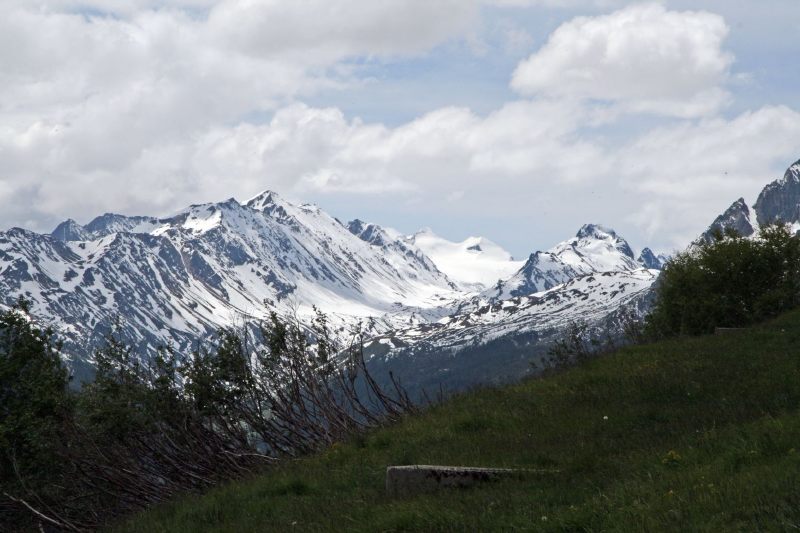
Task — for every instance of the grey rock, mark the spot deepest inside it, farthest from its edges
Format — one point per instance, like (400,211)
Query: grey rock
(736,217)
(650,260)
(780,200)
(69,230)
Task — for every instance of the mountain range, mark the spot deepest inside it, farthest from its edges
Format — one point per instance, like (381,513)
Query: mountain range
(460,311)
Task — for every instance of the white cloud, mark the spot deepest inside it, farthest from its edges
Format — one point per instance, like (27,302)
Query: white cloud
(324,31)
(562,4)
(93,93)
(524,157)
(691,172)
(643,57)
(161,105)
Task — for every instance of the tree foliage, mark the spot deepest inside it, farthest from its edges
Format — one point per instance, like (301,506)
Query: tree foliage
(34,402)
(730,282)
(145,432)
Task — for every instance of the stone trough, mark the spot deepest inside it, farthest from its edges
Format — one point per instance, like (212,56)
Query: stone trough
(414,479)
(727,331)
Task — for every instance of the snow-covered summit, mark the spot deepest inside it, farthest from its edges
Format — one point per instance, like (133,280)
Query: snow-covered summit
(595,248)
(649,260)
(179,278)
(474,263)
(102,226)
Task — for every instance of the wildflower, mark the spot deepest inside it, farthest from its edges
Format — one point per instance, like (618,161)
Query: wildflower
(672,458)
(544,519)
(605,417)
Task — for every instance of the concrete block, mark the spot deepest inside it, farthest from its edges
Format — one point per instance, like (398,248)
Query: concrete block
(410,480)
(726,331)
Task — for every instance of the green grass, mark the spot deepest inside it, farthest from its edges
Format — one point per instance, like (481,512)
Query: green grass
(701,434)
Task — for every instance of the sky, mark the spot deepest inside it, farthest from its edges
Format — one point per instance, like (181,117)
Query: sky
(517,120)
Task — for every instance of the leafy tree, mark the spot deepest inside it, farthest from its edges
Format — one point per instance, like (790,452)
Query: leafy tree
(730,282)
(34,404)
(142,433)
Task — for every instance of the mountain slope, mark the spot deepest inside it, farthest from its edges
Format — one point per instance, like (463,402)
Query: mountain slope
(779,201)
(648,259)
(503,341)
(594,249)
(178,279)
(737,217)
(692,434)
(475,263)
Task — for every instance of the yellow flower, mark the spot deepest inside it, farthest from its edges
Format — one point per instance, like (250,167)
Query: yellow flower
(672,458)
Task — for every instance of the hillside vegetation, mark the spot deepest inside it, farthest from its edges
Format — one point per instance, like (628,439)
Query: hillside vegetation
(689,434)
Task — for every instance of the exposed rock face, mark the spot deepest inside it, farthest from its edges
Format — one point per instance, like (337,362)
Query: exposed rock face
(594,248)
(736,217)
(502,341)
(780,200)
(174,281)
(650,260)
(102,226)
(69,230)
(177,280)
(371,233)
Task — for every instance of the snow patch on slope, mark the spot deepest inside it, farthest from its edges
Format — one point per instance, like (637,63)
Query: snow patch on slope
(474,263)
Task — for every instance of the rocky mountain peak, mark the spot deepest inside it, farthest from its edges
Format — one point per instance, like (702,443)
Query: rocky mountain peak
(650,260)
(595,231)
(589,234)
(368,232)
(736,217)
(594,249)
(780,200)
(68,231)
(273,205)
(264,200)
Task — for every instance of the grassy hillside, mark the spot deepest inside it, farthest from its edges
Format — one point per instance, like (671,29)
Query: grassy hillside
(698,434)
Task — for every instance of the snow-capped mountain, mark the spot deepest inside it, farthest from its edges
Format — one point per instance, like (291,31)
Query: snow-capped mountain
(594,248)
(506,340)
(648,259)
(779,201)
(497,334)
(474,264)
(177,279)
(588,297)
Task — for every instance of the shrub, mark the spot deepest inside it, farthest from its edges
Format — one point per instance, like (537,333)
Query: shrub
(34,404)
(145,432)
(730,282)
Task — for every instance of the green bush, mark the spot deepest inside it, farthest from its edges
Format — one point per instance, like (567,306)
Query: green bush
(730,282)
(146,431)
(34,404)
